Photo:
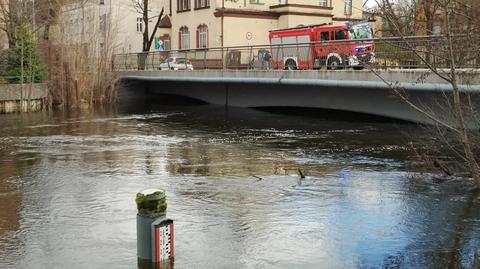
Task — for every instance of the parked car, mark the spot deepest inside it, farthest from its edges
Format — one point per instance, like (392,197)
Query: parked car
(176,63)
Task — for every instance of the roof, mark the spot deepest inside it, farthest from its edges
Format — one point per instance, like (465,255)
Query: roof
(165,22)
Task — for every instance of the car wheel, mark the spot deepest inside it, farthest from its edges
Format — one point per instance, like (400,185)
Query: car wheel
(334,63)
(290,65)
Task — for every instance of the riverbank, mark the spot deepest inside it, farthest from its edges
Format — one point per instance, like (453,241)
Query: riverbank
(23,98)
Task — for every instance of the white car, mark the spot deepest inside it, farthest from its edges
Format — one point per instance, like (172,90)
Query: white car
(176,63)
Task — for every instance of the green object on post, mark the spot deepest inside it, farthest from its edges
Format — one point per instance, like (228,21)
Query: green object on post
(151,203)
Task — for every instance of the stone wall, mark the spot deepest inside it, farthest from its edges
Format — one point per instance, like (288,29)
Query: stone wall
(22,98)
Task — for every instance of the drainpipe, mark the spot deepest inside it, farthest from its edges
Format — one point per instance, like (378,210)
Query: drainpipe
(223,10)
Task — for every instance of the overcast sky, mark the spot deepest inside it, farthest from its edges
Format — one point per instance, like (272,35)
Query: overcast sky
(369,3)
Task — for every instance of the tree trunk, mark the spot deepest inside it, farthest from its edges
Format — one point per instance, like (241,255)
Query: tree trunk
(148,38)
(146,46)
(463,135)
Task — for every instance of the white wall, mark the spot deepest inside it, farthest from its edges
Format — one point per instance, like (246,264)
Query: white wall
(121,23)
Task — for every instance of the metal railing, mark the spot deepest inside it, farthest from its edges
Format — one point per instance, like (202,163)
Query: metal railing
(8,75)
(388,53)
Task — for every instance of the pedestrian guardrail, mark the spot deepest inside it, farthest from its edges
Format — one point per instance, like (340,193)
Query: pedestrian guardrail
(378,53)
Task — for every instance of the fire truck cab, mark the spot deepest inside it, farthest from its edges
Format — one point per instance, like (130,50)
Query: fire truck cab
(314,46)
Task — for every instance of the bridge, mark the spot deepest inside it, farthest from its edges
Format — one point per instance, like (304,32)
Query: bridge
(400,85)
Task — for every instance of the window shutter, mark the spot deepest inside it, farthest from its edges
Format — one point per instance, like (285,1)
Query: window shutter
(179,40)
(198,39)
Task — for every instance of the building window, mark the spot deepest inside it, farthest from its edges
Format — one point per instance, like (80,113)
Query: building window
(103,23)
(348,7)
(102,2)
(139,25)
(202,4)
(184,38)
(437,28)
(167,45)
(282,2)
(202,36)
(323,3)
(183,5)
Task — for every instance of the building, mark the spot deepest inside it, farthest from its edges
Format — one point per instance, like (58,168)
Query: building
(430,16)
(216,23)
(189,24)
(376,20)
(117,23)
(4,18)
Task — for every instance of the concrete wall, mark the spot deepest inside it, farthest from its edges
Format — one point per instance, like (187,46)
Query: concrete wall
(241,4)
(236,30)
(417,76)
(194,18)
(14,97)
(295,20)
(339,14)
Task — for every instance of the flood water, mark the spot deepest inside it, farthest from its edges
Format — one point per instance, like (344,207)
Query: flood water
(68,184)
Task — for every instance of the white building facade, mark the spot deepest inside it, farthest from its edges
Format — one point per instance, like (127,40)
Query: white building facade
(117,23)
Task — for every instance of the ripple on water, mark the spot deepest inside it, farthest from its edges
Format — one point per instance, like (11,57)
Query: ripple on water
(235,194)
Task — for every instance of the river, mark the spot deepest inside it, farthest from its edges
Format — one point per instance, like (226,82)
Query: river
(68,183)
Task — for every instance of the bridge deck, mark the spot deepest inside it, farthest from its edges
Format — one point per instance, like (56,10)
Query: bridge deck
(347,90)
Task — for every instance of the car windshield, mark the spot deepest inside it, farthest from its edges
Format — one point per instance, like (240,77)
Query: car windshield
(361,31)
(181,60)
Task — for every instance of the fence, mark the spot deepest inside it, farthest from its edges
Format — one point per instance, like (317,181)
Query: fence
(8,75)
(379,53)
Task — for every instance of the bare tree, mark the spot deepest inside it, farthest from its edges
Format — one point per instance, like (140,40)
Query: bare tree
(40,13)
(11,17)
(79,57)
(458,44)
(142,7)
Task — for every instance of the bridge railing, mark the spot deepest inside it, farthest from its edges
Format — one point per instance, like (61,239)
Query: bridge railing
(379,53)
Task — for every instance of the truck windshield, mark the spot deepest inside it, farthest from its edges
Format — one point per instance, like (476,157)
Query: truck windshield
(361,31)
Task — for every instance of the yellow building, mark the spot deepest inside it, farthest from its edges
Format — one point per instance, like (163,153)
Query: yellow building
(215,23)
(430,16)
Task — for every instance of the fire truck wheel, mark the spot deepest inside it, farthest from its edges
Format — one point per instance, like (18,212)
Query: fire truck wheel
(334,63)
(290,65)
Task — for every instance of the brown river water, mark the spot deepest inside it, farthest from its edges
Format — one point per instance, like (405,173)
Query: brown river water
(68,184)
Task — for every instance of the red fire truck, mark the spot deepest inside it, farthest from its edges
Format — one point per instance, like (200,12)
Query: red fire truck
(314,46)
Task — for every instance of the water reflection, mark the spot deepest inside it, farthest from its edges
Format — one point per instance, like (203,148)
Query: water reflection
(144,264)
(9,199)
(67,184)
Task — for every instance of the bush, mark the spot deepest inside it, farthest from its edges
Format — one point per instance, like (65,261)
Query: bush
(11,60)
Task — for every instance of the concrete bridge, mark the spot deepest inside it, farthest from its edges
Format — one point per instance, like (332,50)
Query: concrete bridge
(367,91)
(392,85)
